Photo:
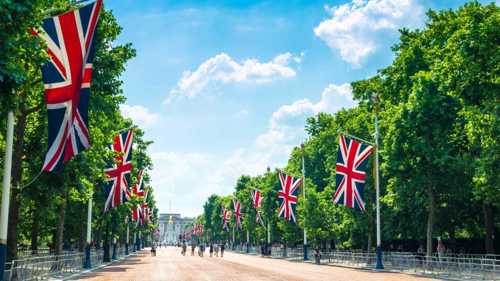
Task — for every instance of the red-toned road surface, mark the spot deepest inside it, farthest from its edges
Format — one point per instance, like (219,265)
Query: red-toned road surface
(170,265)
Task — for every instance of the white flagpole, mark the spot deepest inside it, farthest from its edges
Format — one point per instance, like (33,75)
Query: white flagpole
(89,234)
(304,194)
(379,264)
(268,236)
(7,169)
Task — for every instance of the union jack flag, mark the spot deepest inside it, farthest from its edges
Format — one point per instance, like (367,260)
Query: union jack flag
(200,229)
(256,198)
(237,213)
(146,213)
(288,196)
(67,76)
(256,202)
(138,190)
(258,218)
(225,218)
(350,172)
(118,174)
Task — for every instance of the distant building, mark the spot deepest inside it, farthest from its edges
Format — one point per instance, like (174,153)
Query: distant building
(171,226)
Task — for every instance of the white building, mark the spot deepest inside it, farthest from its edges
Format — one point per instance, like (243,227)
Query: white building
(171,226)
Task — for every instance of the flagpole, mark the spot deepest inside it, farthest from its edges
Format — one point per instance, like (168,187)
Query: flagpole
(7,169)
(233,237)
(304,194)
(268,237)
(87,263)
(248,241)
(379,264)
(128,237)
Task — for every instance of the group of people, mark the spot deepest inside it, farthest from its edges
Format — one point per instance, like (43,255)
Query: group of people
(214,249)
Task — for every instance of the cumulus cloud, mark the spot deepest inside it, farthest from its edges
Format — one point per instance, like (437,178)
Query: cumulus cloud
(222,69)
(286,125)
(187,179)
(139,114)
(358,28)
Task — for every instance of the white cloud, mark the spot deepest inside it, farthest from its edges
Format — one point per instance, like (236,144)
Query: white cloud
(286,126)
(187,179)
(222,69)
(241,113)
(139,114)
(357,29)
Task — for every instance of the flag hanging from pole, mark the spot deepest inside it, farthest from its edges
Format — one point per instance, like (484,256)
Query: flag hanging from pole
(350,172)
(258,218)
(139,191)
(256,198)
(256,203)
(225,218)
(237,213)
(67,77)
(288,196)
(117,186)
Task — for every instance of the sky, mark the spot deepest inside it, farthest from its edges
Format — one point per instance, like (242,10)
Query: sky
(223,88)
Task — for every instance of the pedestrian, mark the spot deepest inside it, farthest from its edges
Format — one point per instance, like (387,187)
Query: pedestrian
(440,249)
(222,247)
(184,247)
(193,246)
(211,250)
(153,250)
(202,249)
(216,249)
(317,255)
(420,254)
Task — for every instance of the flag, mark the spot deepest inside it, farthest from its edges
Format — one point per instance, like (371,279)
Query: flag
(117,186)
(146,213)
(139,191)
(288,196)
(67,76)
(256,202)
(200,229)
(237,213)
(350,172)
(258,218)
(256,198)
(225,217)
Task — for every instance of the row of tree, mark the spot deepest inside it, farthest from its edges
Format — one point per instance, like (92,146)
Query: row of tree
(438,105)
(52,210)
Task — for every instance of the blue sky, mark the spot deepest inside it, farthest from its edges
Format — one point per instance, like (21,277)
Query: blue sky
(223,88)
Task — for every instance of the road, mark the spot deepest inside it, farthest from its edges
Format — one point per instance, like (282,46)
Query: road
(170,265)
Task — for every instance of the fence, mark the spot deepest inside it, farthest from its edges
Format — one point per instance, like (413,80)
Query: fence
(455,267)
(52,266)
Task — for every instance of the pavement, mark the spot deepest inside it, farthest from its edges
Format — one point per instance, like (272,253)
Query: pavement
(170,265)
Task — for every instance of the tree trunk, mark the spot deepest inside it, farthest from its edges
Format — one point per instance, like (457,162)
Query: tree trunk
(60,223)
(35,227)
(430,221)
(17,173)
(488,225)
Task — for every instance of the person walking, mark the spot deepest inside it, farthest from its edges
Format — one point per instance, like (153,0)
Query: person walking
(184,247)
(211,250)
(222,247)
(216,249)
(440,249)
(193,246)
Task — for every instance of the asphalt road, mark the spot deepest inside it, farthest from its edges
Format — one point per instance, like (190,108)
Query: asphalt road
(170,265)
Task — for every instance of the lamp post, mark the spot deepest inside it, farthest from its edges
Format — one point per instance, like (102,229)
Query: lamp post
(87,264)
(304,196)
(4,216)
(379,264)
